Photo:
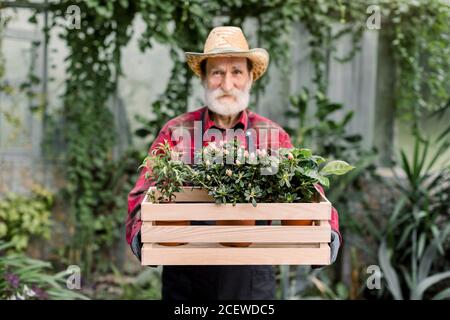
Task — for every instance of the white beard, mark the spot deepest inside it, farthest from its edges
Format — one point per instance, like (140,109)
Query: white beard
(240,102)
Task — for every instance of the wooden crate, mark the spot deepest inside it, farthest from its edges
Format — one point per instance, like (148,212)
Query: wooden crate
(271,245)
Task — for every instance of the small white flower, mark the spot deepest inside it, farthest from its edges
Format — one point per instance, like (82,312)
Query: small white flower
(290,156)
(28,292)
(229,172)
(246,154)
(207,162)
(226,152)
(238,162)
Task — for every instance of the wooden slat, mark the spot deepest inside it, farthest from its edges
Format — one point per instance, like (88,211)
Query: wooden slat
(241,211)
(188,194)
(217,255)
(326,225)
(283,234)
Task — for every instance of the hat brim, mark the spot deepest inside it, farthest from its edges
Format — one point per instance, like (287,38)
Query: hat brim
(258,56)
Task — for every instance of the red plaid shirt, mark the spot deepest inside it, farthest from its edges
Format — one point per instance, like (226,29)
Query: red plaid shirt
(269,135)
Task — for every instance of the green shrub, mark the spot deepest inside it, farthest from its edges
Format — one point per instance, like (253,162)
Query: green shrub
(22,217)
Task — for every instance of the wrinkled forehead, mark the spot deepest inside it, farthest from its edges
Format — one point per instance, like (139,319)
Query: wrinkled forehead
(226,62)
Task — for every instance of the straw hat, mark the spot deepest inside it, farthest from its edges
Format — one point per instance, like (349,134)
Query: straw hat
(229,42)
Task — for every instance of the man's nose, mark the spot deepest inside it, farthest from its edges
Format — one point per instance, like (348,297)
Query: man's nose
(227,83)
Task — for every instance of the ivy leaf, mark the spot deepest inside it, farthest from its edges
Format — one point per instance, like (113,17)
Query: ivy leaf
(337,167)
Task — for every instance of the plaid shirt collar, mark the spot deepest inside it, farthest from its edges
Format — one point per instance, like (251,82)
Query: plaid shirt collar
(208,123)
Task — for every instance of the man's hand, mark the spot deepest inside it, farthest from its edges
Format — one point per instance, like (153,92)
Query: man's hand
(136,245)
(334,249)
(334,246)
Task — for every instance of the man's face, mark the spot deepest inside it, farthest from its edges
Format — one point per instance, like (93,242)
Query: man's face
(227,85)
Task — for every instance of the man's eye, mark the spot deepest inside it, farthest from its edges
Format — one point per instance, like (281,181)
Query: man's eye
(237,71)
(217,72)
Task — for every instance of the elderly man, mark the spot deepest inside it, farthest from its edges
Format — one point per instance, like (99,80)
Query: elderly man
(227,68)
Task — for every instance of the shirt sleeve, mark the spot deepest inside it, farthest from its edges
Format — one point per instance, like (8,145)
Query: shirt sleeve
(285,140)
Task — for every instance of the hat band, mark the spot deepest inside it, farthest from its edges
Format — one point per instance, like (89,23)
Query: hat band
(227,49)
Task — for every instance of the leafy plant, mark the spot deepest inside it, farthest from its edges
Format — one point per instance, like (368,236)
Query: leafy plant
(23,278)
(166,171)
(414,244)
(417,279)
(421,63)
(231,174)
(23,217)
(316,124)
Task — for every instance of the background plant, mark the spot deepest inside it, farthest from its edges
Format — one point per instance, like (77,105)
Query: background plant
(23,218)
(23,278)
(413,245)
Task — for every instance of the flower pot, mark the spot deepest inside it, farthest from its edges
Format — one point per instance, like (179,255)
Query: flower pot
(296,222)
(235,223)
(172,223)
(315,199)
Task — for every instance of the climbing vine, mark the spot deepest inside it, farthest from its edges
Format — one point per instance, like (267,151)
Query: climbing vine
(93,66)
(184,26)
(420,34)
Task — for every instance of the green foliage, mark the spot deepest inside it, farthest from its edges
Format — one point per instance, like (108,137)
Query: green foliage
(323,125)
(23,278)
(23,217)
(231,174)
(322,129)
(145,286)
(13,93)
(417,279)
(420,32)
(413,242)
(166,171)
(95,189)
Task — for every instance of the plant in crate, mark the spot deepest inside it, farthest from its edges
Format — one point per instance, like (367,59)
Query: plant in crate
(234,175)
(168,173)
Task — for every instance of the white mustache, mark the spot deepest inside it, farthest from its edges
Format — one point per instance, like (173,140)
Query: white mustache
(218,93)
